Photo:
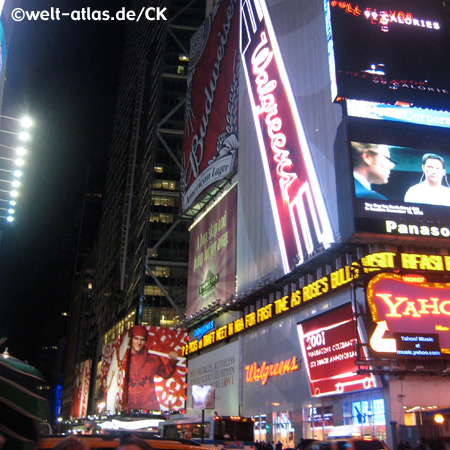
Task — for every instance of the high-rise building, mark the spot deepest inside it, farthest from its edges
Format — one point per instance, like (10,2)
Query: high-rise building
(141,265)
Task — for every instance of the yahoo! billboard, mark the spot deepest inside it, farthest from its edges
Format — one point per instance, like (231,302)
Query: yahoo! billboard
(410,316)
(211,117)
(301,219)
(328,344)
(212,261)
(392,52)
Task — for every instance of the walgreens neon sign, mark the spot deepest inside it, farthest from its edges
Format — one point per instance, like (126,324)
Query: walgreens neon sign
(265,371)
(301,218)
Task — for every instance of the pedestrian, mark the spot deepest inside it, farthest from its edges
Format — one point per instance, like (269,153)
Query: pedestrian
(423,445)
(279,446)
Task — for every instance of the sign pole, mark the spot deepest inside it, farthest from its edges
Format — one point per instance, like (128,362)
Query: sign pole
(203,426)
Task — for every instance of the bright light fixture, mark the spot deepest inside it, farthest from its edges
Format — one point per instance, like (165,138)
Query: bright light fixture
(24,136)
(17,173)
(15,183)
(10,219)
(11,211)
(19,162)
(12,202)
(14,194)
(20,151)
(26,122)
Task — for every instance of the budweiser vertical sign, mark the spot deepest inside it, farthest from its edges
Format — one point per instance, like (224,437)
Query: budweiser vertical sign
(299,210)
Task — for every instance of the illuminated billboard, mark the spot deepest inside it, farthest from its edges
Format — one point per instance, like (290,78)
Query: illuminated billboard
(410,316)
(211,116)
(392,52)
(328,344)
(301,219)
(141,370)
(212,260)
(401,190)
(80,389)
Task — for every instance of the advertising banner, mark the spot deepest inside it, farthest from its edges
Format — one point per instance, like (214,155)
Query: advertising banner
(112,377)
(212,260)
(156,373)
(401,190)
(328,344)
(392,52)
(301,219)
(220,370)
(410,316)
(80,389)
(211,117)
(141,370)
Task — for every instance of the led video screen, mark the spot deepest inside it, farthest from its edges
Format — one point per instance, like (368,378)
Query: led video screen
(328,344)
(393,52)
(401,190)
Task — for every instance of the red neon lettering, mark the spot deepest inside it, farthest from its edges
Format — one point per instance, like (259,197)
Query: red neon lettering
(260,60)
(255,373)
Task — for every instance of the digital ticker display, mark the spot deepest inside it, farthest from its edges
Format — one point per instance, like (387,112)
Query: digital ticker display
(394,52)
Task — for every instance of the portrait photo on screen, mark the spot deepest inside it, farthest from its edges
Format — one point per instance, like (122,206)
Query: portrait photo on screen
(403,175)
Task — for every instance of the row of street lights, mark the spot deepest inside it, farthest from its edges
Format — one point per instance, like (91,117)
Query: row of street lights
(11,162)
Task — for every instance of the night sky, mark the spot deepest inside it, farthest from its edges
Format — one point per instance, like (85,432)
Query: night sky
(65,75)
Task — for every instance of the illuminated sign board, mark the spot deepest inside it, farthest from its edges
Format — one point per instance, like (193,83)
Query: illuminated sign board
(321,286)
(301,219)
(201,331)
(411,318)
(255,372)
(398,52)
(328,343)
(80,389)
(210,145)
(140,370)
(203,396)
(212,255)
(378,111)
(401,190)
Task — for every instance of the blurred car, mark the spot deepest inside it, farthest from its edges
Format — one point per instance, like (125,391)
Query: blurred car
(106,442)
(348,443)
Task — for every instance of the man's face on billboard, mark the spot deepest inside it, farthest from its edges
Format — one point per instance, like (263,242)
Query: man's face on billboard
(137,344)
(379,165)
(434,171)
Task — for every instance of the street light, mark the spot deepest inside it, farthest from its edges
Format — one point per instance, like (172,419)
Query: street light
(12,155)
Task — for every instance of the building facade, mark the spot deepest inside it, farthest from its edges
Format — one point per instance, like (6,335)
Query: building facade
(313,336)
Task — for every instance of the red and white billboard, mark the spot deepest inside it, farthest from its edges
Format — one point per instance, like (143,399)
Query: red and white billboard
(211,117)
(411,316)
(328,343)
(297,202)
(112,376)
(142,370)
(212,260)
(80,389)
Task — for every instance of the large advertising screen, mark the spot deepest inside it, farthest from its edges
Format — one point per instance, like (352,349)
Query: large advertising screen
(80,389)
(212,260)
(401,190)
(409,316)
(211,117)
(142,370)
(390,51)
(328,344)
